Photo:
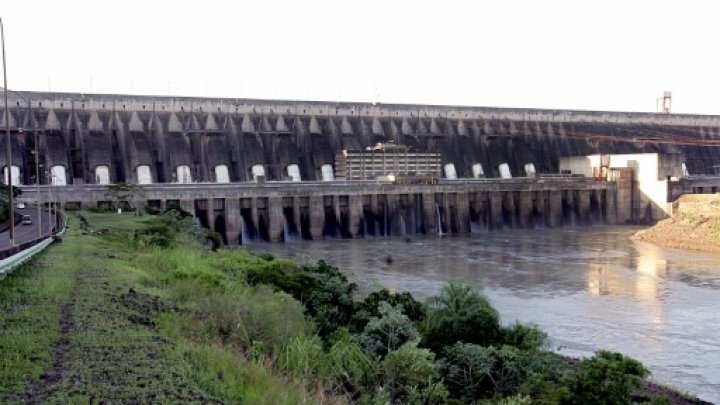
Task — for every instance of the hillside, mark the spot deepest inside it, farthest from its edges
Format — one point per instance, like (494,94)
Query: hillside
(141,310)
(695,225)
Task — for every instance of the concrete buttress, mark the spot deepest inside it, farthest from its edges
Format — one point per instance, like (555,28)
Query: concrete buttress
(276,219)
(317,217)
(232,221)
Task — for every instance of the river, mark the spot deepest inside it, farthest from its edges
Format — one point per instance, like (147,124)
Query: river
(589,288)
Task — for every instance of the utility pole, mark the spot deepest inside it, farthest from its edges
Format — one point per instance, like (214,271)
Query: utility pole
(8,161)
(37,184)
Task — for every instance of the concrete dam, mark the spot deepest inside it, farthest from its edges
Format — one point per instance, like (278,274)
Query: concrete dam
(267,168)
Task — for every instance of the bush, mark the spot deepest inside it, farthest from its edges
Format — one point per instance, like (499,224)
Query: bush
(468,370)
(411,374)
(461,314)
(350,369)
(524,337)
(369,307)
(606,378)
(322,289)
(388,332)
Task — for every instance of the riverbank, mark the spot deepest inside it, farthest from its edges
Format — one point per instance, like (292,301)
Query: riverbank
(132,309)
(695,225)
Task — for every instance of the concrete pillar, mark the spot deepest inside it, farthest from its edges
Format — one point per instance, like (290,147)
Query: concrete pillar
(188,206)
(624,196)
(356,215)
(584,206)
(210,213)
(610,208)
(462,208)
(429,212)
(276,219)
(526,209)
(393,214)
(554,216)
(482,208)
(317,217)
(232,221)
(336,208)
(496,213)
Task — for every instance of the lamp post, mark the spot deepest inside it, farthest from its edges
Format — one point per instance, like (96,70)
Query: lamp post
(8,161)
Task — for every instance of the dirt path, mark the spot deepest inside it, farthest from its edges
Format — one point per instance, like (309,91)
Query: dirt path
(55,374)
(108,348)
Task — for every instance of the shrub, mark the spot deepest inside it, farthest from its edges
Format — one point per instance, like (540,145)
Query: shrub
(322,289)
(468,369)
(524,337)
(606,378)
(349,367)
(411,374)
(388,332)
(369,307)
(461,314)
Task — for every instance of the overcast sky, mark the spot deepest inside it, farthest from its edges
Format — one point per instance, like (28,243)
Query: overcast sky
(600,55)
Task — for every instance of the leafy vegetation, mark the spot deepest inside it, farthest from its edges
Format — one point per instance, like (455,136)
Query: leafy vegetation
(152,305)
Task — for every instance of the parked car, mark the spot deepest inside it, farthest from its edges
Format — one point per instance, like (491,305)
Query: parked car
(21,205)
(27,220)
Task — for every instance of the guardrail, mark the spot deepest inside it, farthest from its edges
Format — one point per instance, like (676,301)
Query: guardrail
(12,258)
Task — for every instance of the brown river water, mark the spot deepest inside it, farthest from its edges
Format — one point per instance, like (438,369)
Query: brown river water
(588,288)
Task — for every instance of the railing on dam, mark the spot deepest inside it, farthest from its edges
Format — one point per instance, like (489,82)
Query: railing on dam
(161,191)
(14,256)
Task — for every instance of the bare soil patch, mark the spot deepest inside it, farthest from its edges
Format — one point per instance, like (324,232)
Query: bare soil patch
(695,226)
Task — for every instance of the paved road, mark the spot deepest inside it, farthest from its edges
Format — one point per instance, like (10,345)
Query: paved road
(26,233)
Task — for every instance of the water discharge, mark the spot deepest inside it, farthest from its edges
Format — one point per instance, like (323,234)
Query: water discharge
(589,288)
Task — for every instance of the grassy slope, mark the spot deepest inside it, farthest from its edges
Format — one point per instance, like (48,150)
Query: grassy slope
(83,322)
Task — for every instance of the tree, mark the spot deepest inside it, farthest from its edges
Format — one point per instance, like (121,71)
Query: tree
(411,376)
(461,314)
(126,192)
(606,378)
(387,332)
(468,370)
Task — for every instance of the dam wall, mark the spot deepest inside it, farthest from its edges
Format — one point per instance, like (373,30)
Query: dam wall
(103,139)
(282,211)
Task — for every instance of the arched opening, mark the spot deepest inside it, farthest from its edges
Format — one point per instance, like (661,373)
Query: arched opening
(222,174)
(58,176)
(450,172)
(15,170)
(477,171)
(327,172)
(258,171)
(144,176)
(183,174)
(530,170)
(504,170)
(293,172)
(102,175)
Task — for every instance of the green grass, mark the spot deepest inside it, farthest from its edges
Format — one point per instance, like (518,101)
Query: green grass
(146,324)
